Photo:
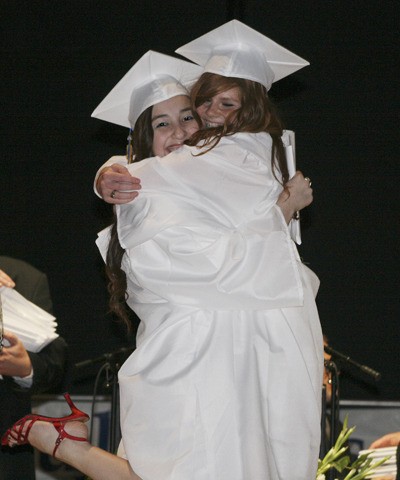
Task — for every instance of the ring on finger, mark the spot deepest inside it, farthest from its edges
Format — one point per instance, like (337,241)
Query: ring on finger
(112,194)
(307,179)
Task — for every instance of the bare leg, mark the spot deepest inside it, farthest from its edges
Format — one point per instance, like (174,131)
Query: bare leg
(92,461)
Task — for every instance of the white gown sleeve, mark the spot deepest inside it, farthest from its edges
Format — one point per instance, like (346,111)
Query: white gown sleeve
(186,241)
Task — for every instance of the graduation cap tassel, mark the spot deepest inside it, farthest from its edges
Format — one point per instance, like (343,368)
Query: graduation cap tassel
(129,149)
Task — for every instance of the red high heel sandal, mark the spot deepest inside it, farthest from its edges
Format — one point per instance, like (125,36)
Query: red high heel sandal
(20,434)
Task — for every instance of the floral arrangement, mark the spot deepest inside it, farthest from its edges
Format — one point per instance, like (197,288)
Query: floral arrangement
(360,469)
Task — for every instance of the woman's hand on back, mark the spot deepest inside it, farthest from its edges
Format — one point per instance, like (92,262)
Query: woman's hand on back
(116,185)
(297,195)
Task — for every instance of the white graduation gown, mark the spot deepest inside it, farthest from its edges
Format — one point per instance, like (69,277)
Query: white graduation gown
(225,383)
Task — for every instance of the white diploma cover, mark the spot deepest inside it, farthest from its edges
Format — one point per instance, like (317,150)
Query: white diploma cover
(294,225)
(35,327)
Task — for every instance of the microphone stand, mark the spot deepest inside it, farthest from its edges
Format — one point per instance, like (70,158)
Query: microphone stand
(346,359)
(112,364)
(322,448)
(112,368)
(331,366)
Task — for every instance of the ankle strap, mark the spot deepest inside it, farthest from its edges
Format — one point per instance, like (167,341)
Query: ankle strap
(63,434)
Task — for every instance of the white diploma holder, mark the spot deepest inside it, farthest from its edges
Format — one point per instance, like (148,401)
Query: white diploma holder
(35,327)
(294,225)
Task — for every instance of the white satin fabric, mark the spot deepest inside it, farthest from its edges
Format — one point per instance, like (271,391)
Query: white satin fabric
(225,383)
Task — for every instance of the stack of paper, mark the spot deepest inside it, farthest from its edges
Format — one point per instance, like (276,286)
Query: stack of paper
(34,326)
(387,469)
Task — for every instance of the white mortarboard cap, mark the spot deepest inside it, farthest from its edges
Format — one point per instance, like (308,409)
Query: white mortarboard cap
(236,50)
(155,77)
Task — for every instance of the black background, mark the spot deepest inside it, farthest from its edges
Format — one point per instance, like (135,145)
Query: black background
(59,60)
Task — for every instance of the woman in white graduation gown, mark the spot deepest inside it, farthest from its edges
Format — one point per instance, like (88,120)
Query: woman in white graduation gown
(225,382)
(226,379)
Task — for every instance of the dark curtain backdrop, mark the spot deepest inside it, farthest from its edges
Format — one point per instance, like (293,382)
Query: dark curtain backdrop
(60,58)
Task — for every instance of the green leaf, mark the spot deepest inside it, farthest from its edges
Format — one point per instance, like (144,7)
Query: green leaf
(342,463)
(335,458)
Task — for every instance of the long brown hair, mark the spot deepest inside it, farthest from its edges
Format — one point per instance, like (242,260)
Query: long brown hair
(256,114)
(142,144)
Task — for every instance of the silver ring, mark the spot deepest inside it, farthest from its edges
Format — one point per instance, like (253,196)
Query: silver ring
(112,195)
(309,181)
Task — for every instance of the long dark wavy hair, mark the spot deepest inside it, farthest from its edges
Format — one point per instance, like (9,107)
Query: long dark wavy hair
(142,144)
(256,114)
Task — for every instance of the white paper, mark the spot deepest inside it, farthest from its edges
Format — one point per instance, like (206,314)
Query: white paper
(35,327)
(289,142)
(388,468)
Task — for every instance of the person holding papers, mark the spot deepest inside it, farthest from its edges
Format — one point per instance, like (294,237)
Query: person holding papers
(22,372)
(388,445)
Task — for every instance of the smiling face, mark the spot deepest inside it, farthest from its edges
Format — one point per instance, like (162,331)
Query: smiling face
(214,111)
(172,123)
